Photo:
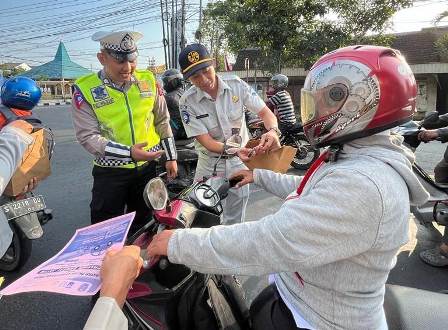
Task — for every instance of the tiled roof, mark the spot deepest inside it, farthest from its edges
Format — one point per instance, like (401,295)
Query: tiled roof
(62,67)
(418,47)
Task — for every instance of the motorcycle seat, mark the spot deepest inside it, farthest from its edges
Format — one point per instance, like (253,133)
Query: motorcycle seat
(184,143)
(414,309)
(292,129)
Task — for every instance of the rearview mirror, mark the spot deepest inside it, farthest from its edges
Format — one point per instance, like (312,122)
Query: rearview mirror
(155,194)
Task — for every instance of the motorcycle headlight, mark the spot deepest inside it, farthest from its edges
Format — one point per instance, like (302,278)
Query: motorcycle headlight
(156,194)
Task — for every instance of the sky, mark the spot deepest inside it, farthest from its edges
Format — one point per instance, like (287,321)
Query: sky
(31,30)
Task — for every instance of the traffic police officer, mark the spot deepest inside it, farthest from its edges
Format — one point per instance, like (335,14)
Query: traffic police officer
(212,111)
(120,117)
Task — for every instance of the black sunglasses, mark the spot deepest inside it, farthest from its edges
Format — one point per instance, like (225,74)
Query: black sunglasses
(122,57)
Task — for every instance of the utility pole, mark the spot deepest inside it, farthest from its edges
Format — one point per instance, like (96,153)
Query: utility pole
(200,13)
(182,40)
(173,38)
(163,31)
(168,33)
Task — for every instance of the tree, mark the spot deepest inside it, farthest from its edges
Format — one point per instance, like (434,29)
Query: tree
(297,32)
(211,33)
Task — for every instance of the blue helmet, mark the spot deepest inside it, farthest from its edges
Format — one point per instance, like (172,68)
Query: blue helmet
(20,93)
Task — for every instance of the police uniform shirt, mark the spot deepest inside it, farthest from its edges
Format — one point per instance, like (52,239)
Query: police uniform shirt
(88,132)
(221,117)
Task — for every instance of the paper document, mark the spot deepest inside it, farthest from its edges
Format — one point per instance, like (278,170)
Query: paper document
(75,270)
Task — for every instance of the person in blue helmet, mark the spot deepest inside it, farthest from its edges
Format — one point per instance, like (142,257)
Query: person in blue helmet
(20,95)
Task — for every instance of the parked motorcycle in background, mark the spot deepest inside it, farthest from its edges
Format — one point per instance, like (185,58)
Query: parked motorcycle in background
(436,209)
(294,137)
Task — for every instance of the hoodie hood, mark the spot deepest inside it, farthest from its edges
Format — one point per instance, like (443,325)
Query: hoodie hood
(389,149)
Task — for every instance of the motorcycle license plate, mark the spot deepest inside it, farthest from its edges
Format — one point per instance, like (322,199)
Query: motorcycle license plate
(24,206)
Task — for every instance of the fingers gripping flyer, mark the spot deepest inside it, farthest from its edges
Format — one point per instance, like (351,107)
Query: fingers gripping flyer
(75,270)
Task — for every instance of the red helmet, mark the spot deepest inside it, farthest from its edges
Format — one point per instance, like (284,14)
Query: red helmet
(354,92)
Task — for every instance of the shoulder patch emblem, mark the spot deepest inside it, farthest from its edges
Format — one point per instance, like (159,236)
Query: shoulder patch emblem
(143,85)
(185,117)
(78,100)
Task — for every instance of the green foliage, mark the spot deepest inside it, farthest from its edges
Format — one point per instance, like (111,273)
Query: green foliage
(297,32)
(441,46)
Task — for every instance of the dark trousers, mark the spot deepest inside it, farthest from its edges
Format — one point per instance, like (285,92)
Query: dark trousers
(117,191)
(269,312)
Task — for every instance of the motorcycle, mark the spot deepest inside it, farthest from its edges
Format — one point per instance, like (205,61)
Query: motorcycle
(436,209)
(26,213)
(293,136)
(156,298)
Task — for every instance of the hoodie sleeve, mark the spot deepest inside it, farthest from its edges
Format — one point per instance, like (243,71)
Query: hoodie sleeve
(339,219)
(280,185)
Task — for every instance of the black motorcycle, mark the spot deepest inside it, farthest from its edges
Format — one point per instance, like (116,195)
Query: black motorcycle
(292,136)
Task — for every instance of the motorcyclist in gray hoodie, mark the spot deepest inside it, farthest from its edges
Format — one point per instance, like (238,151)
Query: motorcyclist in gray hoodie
(332,243)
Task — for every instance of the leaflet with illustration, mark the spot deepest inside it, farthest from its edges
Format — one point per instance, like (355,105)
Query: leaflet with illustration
(75,270)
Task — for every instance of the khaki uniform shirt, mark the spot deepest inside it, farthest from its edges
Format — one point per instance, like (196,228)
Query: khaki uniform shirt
(221,118)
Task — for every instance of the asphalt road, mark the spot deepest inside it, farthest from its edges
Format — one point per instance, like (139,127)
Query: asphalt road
(67,191)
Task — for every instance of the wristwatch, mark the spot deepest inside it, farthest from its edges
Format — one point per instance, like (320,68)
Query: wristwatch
(276,130)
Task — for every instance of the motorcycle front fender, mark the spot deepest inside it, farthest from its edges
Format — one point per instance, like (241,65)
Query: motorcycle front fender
(29,224)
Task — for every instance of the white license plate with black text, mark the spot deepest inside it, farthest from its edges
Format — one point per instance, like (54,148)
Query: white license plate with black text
(24,206)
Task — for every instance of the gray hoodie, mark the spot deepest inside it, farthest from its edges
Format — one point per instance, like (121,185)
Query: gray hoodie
(341,235)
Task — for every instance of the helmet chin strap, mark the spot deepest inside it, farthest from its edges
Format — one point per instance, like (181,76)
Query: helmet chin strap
(333,152)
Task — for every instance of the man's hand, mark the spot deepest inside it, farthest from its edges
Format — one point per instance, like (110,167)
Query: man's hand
(31,185)
(269,141)
(118,272)
(171,169)
(245,153)
(23,125)
(138,154)
(428,135)
(243,177)
(159,244)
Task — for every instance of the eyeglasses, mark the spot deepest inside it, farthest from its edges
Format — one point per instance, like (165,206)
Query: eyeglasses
(122,57)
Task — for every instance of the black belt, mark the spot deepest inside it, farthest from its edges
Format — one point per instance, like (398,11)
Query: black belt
(224,156)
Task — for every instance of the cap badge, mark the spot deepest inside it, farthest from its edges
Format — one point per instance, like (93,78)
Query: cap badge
(193,57)
(235,98)
(127,43)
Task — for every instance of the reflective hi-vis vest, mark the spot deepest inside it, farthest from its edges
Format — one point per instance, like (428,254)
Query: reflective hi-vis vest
(124,117)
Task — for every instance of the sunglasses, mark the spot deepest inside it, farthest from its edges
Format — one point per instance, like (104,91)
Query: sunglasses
(123,57)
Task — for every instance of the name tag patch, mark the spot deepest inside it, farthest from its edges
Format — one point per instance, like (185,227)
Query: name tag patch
(103,103)
(202,116)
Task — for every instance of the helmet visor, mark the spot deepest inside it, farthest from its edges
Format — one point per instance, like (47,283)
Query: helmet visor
(322,102)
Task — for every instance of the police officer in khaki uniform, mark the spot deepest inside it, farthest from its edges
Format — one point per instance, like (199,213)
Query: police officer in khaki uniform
(121,118)
(212,111)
